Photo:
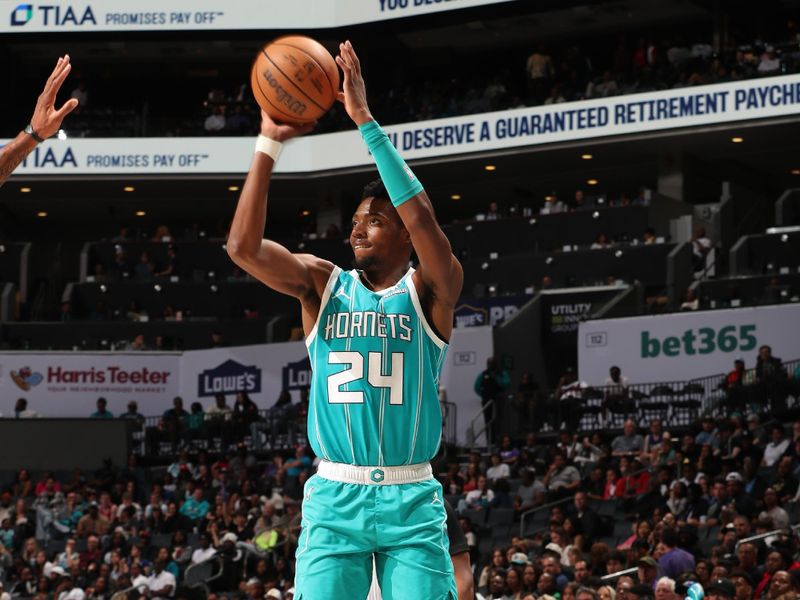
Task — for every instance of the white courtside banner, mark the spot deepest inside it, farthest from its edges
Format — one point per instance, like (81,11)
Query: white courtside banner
(635,113)
(687,345)
(67,384)
(212,15)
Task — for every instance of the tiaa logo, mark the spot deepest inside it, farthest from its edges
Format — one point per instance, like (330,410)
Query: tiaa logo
(21,14)
(53,14)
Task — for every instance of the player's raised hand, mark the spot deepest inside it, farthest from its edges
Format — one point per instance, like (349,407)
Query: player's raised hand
(354,92)
(46,120)
(280,132)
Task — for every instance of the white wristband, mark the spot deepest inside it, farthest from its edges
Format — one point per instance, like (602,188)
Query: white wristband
(269,147)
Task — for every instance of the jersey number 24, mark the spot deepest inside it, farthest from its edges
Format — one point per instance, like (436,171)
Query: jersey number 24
(355,372)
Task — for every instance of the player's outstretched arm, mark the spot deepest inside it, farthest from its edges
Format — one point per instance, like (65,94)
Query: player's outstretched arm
(44,123)
(298,275)
(439,269)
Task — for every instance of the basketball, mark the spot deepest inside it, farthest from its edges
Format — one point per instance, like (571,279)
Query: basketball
(294,79)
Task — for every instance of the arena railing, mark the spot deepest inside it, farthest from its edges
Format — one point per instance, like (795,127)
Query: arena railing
(791,530)
(675,403)
(618,574)
(158,435)
(540,508)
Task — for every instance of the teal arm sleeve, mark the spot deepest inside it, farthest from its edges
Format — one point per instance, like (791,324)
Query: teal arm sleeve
(400,181)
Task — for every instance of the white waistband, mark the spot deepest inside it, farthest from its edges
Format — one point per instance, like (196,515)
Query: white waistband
(374,475)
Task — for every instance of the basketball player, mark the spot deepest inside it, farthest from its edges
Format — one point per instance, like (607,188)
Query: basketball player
(459,553)
(376,337)
(45,121)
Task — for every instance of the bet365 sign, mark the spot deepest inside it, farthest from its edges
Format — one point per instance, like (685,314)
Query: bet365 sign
(686,345)
(705,340)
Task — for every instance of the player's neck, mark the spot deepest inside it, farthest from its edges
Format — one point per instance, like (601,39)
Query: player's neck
(380,280)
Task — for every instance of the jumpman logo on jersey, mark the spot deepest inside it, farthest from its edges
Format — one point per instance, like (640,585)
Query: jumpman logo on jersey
(341,293)
(308,494)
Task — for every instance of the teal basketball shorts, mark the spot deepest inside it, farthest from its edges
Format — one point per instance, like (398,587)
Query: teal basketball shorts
(345,523)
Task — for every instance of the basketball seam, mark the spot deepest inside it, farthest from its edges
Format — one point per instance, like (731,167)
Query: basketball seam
(271,103)
(289,79)
(324,72)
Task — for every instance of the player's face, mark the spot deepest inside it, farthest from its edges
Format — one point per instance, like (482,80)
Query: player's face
(378,234)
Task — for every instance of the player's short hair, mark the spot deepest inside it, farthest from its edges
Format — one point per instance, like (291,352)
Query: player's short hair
(375,189)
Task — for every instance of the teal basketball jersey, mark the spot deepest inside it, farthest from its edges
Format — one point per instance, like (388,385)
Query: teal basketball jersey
(375,364)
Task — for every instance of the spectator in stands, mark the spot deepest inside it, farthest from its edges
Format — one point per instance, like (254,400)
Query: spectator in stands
(747,554)
(508,453)
(540,70)
(173,421)
(601,242)
(143,271)
(195,507)
(614,486)
(769,64)
(21,410)
(777,447)
(217,340)
(137,344)
(709,434)
(92,523)
(491,385)
(493,212)
(530,492)
(479,498)
(498,470)
(171,267)
(616,398)
(784,482)
(555,97)
(552,205)
(654,436)
(162,234)
(551,566)
(215,122)
(675,560)
(526,400)
(743,583)
(773,510)
(567,406)
(579,201)
(102,411)
(561,479)
(133,414)
(161,584)
(647,571)
(587,522)
(690,302)
(665,589)
(771,379)
(649,236)
(602,87)
(701,246)
(629,443)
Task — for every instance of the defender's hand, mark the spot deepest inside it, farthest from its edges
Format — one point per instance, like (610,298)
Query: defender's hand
(354,92)
(46,120)
(280,132)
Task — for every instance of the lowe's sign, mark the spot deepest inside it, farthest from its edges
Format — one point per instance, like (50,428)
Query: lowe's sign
(684,345)
(188,15)
(436,139)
